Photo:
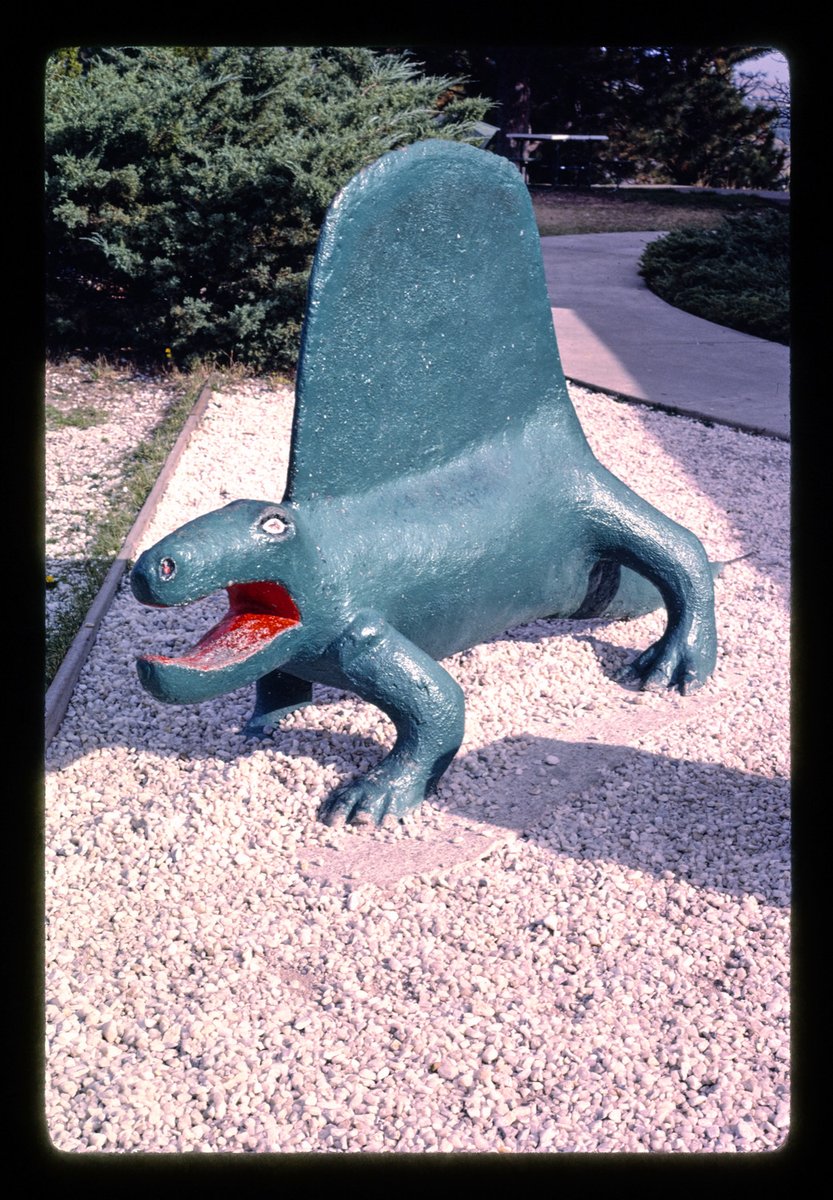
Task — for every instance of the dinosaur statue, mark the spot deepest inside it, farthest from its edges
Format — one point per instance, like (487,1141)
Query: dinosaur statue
(440,488)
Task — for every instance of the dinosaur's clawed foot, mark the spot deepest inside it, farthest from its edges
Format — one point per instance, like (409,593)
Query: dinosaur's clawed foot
(671,663)
(369,800)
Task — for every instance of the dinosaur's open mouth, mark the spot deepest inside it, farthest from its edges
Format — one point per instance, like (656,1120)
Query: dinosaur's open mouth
(257,613)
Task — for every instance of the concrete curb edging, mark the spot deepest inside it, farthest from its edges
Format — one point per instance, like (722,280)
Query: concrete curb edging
(691,414)
(60,690)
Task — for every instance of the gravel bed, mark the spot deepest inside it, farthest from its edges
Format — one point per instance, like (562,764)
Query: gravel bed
(581,943)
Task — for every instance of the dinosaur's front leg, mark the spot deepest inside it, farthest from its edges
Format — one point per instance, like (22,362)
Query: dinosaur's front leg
(426,706)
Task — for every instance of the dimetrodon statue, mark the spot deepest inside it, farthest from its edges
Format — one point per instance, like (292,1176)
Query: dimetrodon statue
(440,488)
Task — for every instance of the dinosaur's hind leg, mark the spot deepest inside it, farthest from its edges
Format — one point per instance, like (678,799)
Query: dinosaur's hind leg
(633,534)
(276,695)
(426,706)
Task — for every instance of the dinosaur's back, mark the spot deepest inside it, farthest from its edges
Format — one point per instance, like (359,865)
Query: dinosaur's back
(455,556)
(428,326)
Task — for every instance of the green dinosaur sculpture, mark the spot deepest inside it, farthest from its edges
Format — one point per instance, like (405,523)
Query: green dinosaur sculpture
(440,487)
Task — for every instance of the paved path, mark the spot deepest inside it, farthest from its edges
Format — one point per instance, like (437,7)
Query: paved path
(616,335)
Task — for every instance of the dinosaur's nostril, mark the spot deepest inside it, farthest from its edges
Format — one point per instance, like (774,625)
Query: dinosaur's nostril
(167,568)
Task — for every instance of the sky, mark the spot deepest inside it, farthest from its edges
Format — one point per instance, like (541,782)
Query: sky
(773,65)
(775,69)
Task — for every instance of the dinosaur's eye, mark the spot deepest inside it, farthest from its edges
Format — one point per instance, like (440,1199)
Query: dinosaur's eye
(276,526)
(167,568)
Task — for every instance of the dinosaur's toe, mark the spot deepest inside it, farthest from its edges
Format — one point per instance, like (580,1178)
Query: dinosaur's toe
(671,665)
(370,800)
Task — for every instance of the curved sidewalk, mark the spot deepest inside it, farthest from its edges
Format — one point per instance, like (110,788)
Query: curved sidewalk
(616,335)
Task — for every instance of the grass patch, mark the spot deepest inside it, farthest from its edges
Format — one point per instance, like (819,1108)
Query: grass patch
(736,275)
(634,210)
(122,504)
(65,625)
(140,471)
(84,416)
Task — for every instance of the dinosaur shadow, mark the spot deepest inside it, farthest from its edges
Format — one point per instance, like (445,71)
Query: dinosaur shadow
(611,657)
(712,825)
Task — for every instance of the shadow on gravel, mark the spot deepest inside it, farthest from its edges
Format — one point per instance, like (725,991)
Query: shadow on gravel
(715,826)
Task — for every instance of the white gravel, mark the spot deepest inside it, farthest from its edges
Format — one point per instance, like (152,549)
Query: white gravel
(580,944)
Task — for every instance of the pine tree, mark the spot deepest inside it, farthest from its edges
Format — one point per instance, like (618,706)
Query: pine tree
(674,114)
(184,191)
(686,121)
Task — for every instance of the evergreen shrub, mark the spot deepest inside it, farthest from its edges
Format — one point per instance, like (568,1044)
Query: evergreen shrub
(736,275)
(184,192)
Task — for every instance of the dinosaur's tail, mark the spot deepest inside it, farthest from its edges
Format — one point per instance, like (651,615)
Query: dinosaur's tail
(618,593)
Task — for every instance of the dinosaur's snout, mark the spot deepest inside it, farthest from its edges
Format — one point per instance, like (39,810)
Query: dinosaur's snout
(149,577)
(140,583)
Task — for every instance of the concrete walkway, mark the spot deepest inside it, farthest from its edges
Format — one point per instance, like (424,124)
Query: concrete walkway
(616,335)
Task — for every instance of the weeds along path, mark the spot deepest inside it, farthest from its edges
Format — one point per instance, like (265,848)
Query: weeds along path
(108,432)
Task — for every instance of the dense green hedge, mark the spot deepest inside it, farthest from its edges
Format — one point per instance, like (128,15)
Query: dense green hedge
(184,193)
(736,275)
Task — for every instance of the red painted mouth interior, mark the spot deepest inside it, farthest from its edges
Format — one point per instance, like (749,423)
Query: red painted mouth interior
(257,613)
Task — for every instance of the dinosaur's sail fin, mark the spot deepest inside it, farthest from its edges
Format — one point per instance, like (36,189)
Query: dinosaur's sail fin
(428,326)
